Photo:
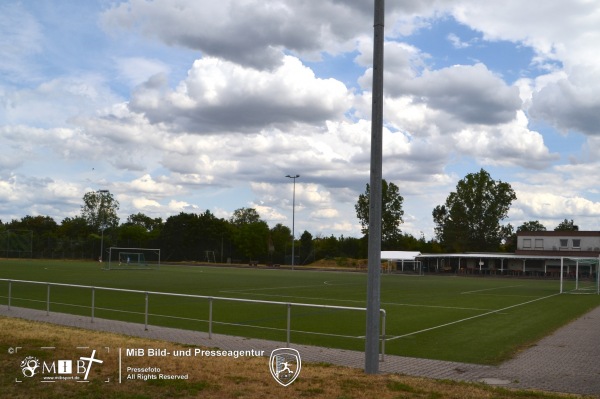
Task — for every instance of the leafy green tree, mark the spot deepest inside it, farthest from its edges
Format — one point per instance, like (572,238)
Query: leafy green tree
(244,216)
(327,247)
(250,233)
(99,209)
(391,211)
(133,235)
(470,218)
(148,223)
(567,225)
(279,241)
(188,236)
(306,246)
(532,225)
(140,230)
(74,228)
(43,231)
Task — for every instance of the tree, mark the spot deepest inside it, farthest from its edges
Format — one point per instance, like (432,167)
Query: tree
(532,225)
(306,246)
(188,236)
(74,228)
(250,233)
(567,225)
(470,218)
(244,216)
(279,241)
(510,244)
(99,209)
(149,224)
(391,211)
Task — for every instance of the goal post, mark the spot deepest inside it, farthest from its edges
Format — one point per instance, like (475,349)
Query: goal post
(579,275)
(132,259)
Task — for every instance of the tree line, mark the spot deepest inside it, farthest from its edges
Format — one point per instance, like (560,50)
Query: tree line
(469,220)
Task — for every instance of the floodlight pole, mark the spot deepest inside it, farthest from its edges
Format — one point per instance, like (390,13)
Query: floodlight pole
(375,200)
(102,192)
(293,215)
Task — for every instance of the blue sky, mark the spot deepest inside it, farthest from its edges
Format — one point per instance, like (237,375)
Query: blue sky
(191,105)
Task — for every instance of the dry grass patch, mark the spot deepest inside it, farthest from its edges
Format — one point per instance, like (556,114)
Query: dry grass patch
(208,377)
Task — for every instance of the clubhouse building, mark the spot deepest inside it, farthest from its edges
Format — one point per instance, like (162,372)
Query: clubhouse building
(538,253)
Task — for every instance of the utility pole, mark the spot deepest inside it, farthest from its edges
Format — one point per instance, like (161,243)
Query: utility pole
(374,252)
(293,216)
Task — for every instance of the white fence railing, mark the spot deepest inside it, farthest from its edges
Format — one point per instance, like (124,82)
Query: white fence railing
(210,299)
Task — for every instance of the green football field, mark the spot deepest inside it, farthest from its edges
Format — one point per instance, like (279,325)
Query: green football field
(481,320)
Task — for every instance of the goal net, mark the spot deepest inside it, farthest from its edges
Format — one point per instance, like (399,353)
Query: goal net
(579,276)
(132,259)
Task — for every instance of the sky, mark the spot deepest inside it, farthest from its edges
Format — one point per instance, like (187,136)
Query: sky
(193,105)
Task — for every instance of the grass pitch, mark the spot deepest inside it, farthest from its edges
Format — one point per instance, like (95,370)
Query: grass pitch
(465,319)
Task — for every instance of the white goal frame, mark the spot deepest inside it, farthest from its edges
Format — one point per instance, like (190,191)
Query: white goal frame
(116,263)
(594,266)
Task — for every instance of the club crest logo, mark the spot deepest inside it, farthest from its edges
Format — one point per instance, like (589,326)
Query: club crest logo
(29,365)
(285,365)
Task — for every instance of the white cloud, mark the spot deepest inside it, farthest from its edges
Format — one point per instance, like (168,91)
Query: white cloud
(55,102)
(471,94)
(560,32)
(251,111)
(219,95)
(509,144)
(457,42)
(136,70)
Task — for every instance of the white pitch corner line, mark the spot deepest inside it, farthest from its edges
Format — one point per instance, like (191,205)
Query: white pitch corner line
(469,318)
(491,289)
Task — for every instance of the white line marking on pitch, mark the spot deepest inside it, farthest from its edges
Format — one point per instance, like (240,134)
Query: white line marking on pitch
(469,318)
(431,306)
(491,289)
(360,301)
(285,288)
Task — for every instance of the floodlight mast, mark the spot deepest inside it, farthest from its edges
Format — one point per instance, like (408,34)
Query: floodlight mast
(102,192)
(374,252)
(293,216)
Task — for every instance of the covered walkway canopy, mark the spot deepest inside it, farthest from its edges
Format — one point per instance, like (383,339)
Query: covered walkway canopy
(400,259)
(496,262)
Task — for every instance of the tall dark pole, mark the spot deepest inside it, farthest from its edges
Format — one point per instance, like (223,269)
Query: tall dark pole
(102,192)
(374,252)
(293,215)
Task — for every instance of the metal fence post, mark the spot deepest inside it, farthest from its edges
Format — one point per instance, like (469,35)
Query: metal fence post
(289,318)
(383,317)
(210,316)
(146,314)
(48,301)
(93,300)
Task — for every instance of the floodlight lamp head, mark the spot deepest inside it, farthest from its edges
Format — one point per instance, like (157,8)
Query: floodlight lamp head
(293,177)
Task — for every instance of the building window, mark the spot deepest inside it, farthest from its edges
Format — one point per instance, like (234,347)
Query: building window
(564,243)
(576,243)
(539,243)
(526,243)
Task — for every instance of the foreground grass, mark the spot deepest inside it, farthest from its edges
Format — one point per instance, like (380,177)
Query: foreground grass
(208,377)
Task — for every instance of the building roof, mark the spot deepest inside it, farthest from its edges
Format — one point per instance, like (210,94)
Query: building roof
(506,255)
(399,255)
(560,233)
